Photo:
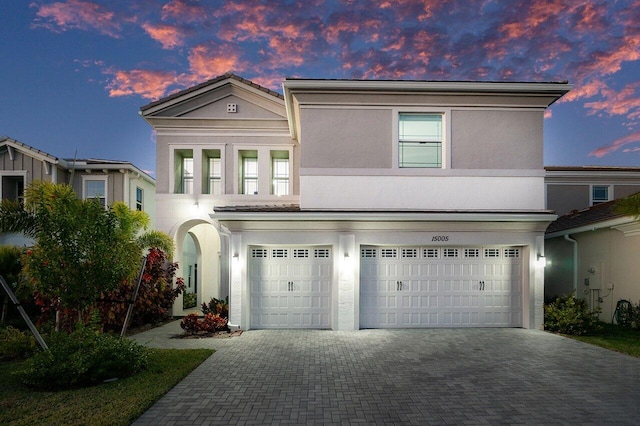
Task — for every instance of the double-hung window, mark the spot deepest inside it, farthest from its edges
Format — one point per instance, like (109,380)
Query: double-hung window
(215,175)
(249,172)
(420,140)
(280,172)
(187,175)
(96,189)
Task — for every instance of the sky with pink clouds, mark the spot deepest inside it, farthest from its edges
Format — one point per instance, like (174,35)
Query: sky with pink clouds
(74,73)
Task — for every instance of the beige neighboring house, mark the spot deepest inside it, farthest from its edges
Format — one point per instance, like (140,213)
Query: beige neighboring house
(594,252)
(20,164)
(349,204)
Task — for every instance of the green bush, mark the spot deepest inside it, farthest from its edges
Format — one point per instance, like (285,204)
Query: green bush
(82,358)
(568,315)
(217,307)
(16,344)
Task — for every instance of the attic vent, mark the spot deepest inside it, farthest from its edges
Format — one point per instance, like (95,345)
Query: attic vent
(232,107)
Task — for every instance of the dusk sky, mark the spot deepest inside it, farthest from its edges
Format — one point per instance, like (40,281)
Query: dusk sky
(74,73)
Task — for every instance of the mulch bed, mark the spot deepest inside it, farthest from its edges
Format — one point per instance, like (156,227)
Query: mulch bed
(205,335)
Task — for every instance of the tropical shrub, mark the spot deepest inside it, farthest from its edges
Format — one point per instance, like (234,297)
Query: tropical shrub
(16,344)
(189,300)
(155,296)
(217,307)
(82,358)
(211,323)
(569,315)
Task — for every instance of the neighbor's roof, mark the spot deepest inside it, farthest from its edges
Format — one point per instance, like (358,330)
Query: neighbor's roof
(584,218)
(591,169)
(213,81)
(6,140)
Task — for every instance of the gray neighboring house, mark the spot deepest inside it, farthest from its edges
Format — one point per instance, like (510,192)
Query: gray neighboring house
(592,250)
(110,180)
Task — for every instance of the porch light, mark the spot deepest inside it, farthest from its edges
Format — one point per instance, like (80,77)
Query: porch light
(346,254)
(236,256)
(542,261)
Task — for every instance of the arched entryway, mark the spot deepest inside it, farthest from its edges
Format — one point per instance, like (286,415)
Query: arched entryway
(198,253)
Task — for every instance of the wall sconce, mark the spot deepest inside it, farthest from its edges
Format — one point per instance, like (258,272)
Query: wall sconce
(346,255)
(542,261)
(236,256)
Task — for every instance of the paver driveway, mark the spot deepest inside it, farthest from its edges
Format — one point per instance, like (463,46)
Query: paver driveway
(432,376)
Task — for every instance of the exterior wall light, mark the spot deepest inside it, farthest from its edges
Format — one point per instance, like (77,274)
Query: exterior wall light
(346,254)
(542,261)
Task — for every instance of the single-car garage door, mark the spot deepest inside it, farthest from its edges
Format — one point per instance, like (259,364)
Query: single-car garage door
(290,287)
(440,287)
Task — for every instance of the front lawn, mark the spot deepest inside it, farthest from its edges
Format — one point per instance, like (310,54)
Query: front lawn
(117,403)
(620,339)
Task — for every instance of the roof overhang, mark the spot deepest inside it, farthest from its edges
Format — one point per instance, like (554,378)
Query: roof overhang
(625,224)
(290,87)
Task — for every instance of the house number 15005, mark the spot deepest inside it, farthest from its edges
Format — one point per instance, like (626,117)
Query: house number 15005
(440,238)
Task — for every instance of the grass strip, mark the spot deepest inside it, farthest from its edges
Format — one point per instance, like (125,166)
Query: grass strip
(625,340)
(117,403)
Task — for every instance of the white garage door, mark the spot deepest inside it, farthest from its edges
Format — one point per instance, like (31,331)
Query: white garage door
(440,287)
(290,287)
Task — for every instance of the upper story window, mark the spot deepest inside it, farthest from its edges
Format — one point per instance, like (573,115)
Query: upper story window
(183,171)
(249,172)
(420,140)
(280,172)
(214,167)
(95,188)
(600,194)
(12,188)
(139,199)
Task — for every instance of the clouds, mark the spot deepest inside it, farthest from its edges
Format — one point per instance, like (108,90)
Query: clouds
(588,42)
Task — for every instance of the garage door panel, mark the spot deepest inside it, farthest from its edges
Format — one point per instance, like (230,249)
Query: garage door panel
(290,287)
(441,287)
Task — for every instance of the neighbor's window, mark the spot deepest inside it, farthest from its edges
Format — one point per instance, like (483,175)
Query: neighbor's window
(139,199)
(96,189)
(13,188)
(249,172)
(420,140)
(280,172)
(599,194)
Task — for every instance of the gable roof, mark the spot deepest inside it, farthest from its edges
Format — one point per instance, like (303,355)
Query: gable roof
(212,82)
(6,141)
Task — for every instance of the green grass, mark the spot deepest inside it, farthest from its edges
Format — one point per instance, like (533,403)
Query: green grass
(117,403)
(620,339)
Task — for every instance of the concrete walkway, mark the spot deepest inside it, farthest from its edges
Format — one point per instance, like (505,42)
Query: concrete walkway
(448,376)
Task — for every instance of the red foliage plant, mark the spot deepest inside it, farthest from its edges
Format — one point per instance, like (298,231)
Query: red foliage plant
(211,323)
(155,296)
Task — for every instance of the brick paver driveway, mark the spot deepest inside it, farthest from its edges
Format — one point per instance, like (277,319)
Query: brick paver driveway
(450,376)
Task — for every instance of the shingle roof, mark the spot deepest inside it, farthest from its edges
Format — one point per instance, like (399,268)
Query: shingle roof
(207,83)
(591,168)
(579,218)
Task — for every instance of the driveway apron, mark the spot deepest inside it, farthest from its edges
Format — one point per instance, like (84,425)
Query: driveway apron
(427,376)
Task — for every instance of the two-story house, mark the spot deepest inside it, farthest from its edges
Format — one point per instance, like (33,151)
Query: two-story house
(20,164)
(348,204)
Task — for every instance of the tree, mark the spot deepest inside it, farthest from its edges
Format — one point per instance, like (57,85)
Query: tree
(629,205)
(82,250)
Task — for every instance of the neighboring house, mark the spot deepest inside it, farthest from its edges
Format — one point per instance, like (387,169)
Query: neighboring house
(348,204)
(578,188)
(109,180)
(593,253)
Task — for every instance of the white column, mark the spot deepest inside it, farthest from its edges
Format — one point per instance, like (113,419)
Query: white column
(348,285)
(236,294)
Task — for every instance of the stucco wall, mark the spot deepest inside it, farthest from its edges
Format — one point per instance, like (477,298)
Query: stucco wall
(496,139)
(564,198)
(346,138)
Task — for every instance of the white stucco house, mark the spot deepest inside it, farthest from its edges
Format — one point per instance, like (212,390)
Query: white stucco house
(349,204)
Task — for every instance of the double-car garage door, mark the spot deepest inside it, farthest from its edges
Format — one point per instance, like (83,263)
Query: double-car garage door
(400,287)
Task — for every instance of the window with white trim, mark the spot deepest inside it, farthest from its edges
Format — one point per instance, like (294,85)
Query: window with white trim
(215,174)
(12,188)
(249,172)
(420,140)
(139,199)
(600,194)
(95,189)
(183,171)
(280,172)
